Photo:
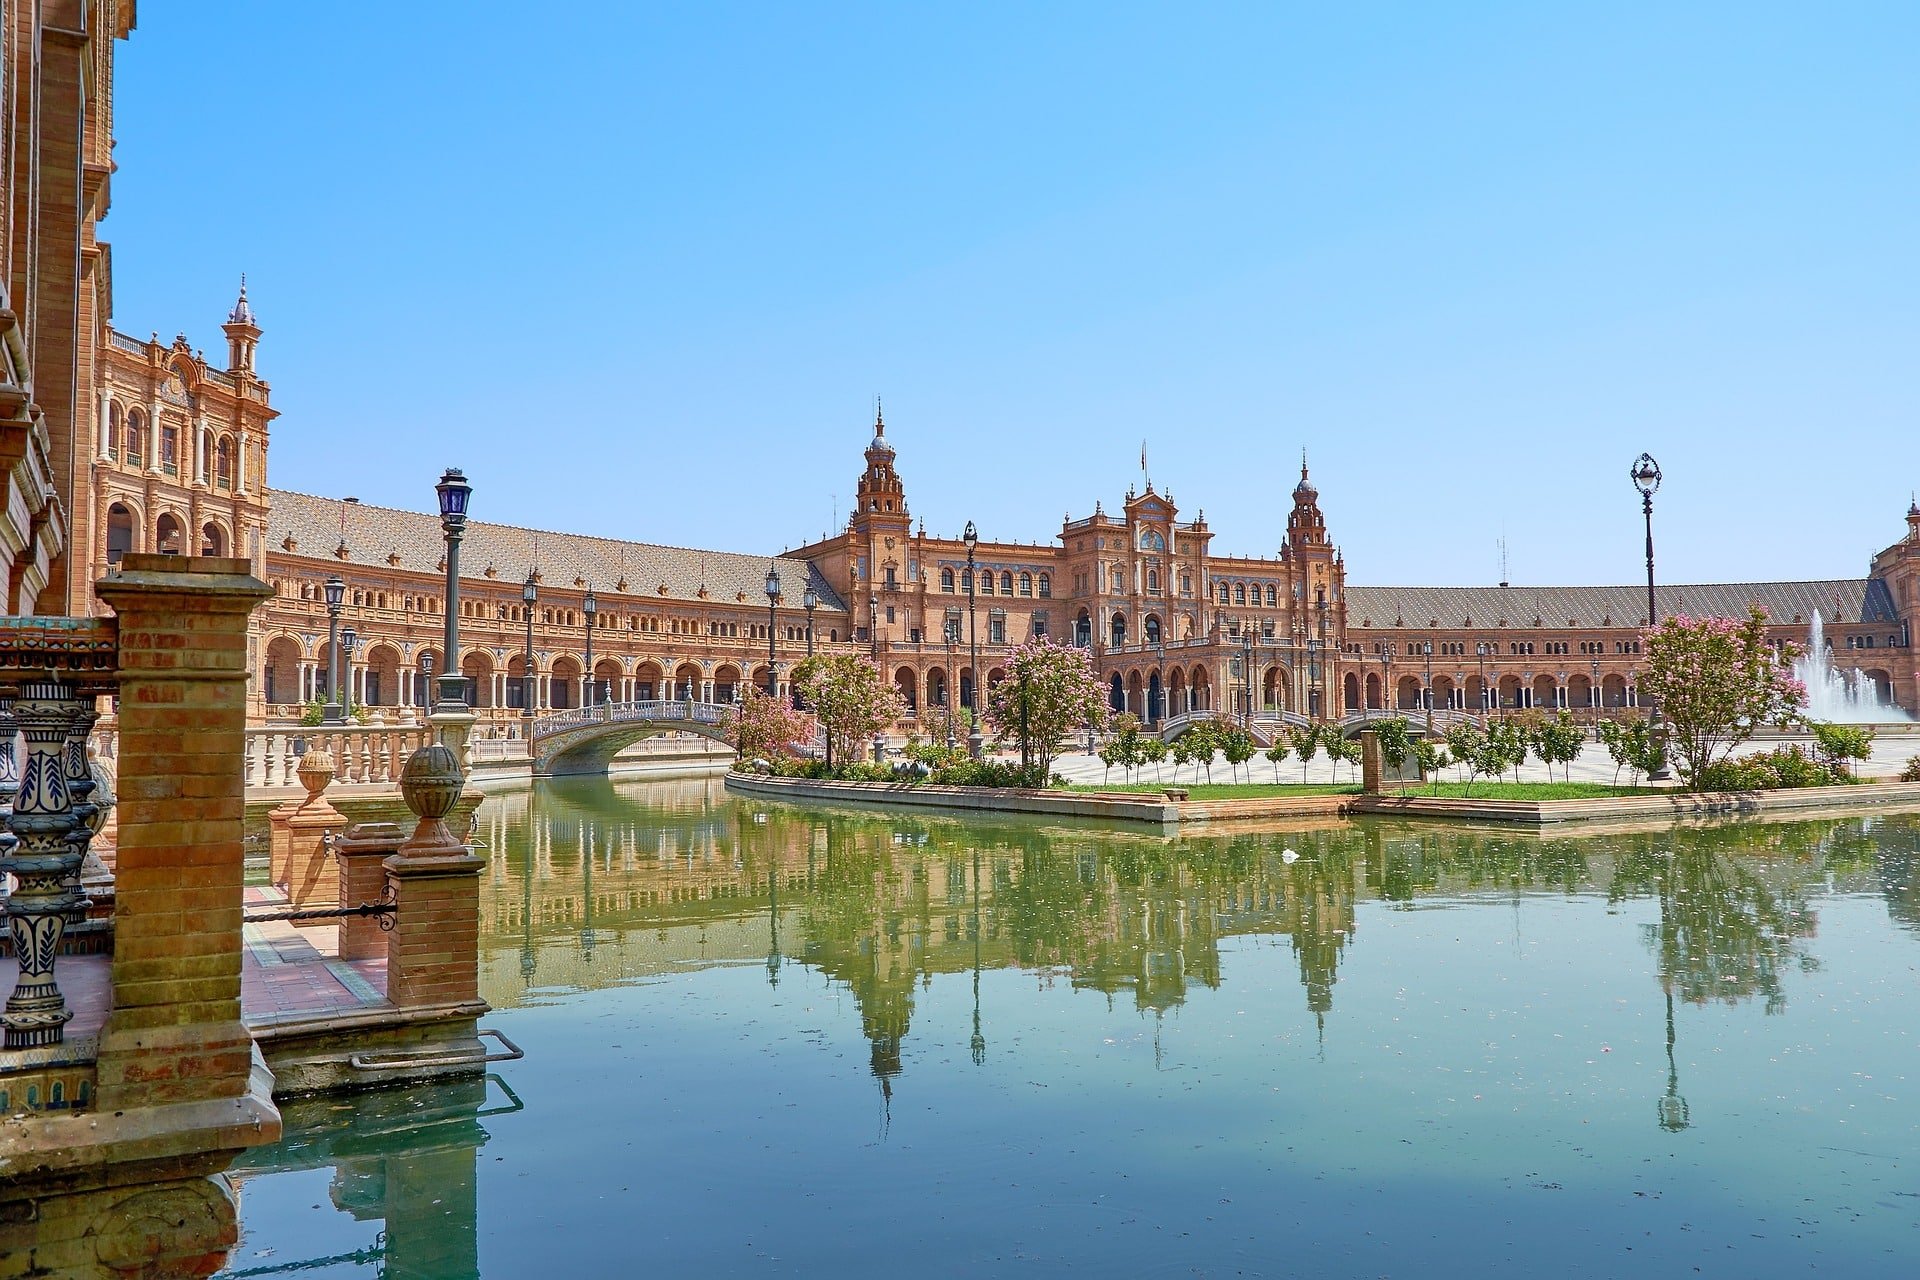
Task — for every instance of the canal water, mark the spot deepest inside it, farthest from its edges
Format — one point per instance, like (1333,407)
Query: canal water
(772,1040)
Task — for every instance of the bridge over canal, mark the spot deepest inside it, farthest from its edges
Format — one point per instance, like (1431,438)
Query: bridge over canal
(586,739)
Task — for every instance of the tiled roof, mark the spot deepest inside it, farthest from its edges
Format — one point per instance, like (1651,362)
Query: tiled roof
(375,534)
(1838,600)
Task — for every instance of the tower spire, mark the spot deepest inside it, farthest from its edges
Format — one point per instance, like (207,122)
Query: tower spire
(879,419)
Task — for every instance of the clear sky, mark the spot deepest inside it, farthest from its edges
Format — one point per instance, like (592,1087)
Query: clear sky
(641,269)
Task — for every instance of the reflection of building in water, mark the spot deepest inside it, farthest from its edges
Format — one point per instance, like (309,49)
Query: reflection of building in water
(403,1160)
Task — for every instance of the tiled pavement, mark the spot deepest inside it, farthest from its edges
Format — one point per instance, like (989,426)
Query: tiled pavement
(289,973)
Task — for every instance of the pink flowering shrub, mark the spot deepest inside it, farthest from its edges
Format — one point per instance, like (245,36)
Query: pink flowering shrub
(1716,681)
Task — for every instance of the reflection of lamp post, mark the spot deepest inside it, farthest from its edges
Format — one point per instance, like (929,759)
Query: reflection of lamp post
(979,1042)
(773,911)
(453,491)
(529,596)
(590,607)
(1673,1107)
(972,538)
(1646,478)
(773,594)
(336,591)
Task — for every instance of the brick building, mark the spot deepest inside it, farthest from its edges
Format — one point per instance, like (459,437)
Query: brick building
(1174,625)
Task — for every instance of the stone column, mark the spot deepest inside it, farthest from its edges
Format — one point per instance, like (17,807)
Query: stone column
(299,833)
(43,862)
(175,1034)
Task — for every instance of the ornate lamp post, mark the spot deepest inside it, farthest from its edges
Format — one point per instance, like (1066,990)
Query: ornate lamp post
(1313,677)
(972,538)
(1480,672)
(1426,693)
(590,607)
(1593,698)
(1386,656)
(1246,669)
(529,597)
(349,641)
(454,491)
(948,629)
(773,594)
(336,590)
(1646,478)
(873,627)
(426,676)
(1320,604)
(809,600)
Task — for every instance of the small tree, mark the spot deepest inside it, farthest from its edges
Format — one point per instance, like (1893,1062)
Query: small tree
(1633,746)
(1395,739)
(1124,741)
(1433,758)
(1716,681)
(1306,741)
(1838,745)
(763,726)
(1238,746)
(1152,751)
(1278,752)
(1050,692)
(1558,741)
(849,696)
(1507,741)
(1475,751)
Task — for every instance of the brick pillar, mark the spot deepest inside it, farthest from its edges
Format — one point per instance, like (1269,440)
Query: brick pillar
(175,1033)
(433,953)
(1372,767)
(362,851)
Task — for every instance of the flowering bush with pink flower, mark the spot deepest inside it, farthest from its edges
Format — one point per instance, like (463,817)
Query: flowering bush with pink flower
(1716,681)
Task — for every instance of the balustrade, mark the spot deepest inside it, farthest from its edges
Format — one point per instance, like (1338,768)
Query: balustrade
(367,753)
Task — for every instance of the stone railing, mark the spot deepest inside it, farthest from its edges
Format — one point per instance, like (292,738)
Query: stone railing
(361,753)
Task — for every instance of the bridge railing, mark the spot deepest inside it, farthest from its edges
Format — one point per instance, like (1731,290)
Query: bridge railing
(654,709)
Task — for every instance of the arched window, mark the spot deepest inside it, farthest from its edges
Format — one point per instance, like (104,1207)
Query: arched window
(946,581)
(986,582)
(1119,580)
(136,449)
(1119,629)
(1153,581)
(113,429)
(966,580)
(1273,597)
(1026,584)
(213,540)
(1225,591)
(1239,593)
(1006,583)
(223,463)
(1046,585)
(1153,629)
(119,532)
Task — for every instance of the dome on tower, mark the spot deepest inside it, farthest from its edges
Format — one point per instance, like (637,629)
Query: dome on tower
(879,444)
(1304,491)
(242,313)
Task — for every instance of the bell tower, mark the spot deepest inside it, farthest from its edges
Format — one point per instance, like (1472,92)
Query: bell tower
(882,567)
(243,335)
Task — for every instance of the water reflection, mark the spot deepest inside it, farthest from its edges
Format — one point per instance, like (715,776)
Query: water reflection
(590,889)
(401,1162)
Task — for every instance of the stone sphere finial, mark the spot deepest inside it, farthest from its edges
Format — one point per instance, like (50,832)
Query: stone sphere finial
(316,771)
(430,782)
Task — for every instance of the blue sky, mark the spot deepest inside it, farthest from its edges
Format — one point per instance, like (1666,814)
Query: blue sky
(642,269)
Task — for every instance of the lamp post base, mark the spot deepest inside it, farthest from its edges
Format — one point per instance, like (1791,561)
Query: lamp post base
(973,743)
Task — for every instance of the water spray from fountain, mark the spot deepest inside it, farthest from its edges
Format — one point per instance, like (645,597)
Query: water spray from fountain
(1843,697)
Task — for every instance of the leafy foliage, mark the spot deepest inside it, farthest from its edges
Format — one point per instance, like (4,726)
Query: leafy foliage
(1838,745)
(1717,680)
(1634,746)
(1050,692)
(850,698)
(764,727)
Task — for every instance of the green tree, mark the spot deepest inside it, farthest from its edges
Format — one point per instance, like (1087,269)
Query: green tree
(1558,741)
(849,697)
(1152,751)
(1433,758)
(1838,745)
(1238,746)
(1306,741)
(1633,746)
(1716,681)
(1395,739)
(1278,751)
(1050,692)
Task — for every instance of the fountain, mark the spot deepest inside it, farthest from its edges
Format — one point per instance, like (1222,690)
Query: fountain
(1844,697)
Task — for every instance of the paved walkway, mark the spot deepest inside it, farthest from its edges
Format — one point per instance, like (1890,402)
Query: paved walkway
(293,973)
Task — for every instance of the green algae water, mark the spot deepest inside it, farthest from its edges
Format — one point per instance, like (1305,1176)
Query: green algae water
(795,1041)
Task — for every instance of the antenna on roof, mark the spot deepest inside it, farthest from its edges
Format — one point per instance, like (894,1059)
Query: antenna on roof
(1503,560)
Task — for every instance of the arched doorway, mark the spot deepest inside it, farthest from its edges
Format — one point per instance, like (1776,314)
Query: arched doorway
(605,686)
(380,681)
(1350,691)
(1116,693)
(726,682)
(213,542)
(167,535)
(477,667)
(908,687)
(1406,694)
(119,532)
(1156,699)
(648,681)
(563,684)
(936,688)
(280,678)
(686,682)
(1373,691)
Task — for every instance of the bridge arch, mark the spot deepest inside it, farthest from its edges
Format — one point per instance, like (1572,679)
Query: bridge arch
(586,739)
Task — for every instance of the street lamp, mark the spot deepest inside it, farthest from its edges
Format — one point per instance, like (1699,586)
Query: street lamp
(972,538)
(809,601)
(1386,656)
(1426,693)
(873,627)
(1646,478)
(1480,672)
(336,591)
(426,676)
(773,594)
(591,607)
(453,491)
(529,596)
(950,629)
(1593,698)
(349,641)
(1246,669)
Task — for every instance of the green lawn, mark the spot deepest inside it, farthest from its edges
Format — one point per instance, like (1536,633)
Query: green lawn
(1482,790)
